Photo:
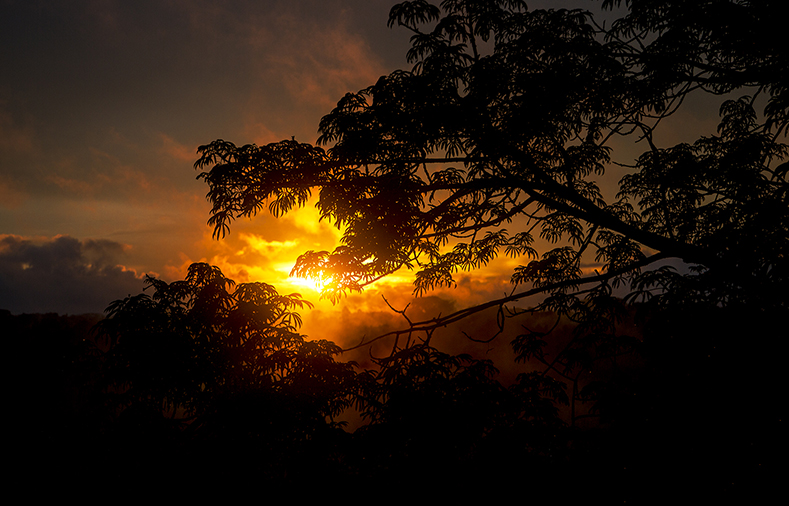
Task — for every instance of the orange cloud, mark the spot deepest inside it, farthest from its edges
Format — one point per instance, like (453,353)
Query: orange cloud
(247,256)
(259,132)
(176,150)
(265,249)
(70,185)
(321,68)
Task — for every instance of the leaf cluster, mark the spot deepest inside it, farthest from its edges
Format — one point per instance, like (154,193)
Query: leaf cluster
(193,346)
(497,141)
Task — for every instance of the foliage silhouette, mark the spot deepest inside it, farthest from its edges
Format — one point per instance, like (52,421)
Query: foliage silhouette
(426,166)
(511,117)
(219,366)
(465,142)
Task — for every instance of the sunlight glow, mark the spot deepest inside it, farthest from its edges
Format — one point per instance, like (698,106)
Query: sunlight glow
(316,285)
(264,247)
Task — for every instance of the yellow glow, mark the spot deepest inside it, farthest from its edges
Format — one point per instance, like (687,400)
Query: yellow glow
(314,285)
(265,249)
(307,220)
(259,244)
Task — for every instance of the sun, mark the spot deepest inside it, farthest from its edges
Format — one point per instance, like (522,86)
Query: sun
(312,284)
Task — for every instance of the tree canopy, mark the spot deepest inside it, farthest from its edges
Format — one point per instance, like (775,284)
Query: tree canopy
(502,136)
(194,345)
(202,367)
(508,118)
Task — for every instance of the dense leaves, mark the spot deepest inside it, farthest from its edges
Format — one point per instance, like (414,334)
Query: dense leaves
(206,353)
(508,118)
(500,140)
(204,381)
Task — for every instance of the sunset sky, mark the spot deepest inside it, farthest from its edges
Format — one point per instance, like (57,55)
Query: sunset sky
(103,104)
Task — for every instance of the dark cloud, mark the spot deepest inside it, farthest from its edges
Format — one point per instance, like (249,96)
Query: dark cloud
(62,275)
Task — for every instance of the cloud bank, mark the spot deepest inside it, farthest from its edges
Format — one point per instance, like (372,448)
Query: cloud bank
(63,274)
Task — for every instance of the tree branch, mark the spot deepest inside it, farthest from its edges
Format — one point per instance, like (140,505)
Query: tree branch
(430,325)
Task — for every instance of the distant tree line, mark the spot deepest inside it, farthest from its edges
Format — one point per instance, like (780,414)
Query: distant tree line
(205,381)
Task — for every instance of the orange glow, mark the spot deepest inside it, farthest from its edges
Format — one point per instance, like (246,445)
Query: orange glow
(265,249)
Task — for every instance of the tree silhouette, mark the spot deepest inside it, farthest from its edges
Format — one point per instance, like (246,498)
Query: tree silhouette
(510,118)
(449,414)
(466,142)
(213,366)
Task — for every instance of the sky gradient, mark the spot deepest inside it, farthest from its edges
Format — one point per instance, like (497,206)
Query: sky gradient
(102,107)
(103,104)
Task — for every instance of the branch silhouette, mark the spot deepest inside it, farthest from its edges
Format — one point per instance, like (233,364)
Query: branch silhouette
(497,141)
(442,321)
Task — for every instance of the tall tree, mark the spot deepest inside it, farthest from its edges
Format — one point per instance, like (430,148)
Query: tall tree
(501,132)
(507,118)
